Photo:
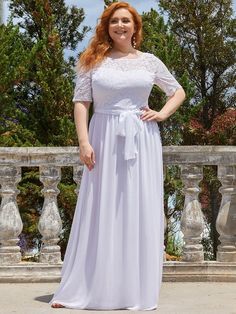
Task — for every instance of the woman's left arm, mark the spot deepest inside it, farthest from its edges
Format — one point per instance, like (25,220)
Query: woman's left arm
(172,104)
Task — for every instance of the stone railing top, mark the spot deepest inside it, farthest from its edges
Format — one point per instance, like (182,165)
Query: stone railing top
(201,155)
(69,155)
(35,156)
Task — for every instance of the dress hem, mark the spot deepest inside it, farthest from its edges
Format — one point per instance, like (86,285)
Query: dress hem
(133,308)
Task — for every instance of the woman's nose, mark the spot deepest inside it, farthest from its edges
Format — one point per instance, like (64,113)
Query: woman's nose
(120,23)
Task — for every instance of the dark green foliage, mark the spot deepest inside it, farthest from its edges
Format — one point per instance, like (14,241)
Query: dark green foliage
(14,71)
(173,246)
(173,205)
(30,202)
(206,32)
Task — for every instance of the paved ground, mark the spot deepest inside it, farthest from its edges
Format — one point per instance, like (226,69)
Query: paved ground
(175,298)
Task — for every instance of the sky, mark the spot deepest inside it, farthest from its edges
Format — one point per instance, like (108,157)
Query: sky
(93,9)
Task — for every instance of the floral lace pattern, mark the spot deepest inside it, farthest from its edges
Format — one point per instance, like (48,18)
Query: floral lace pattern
(83,91)
(146,62)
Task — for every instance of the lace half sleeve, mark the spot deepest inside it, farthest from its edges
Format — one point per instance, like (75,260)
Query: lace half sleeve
(83,86)
(163,78)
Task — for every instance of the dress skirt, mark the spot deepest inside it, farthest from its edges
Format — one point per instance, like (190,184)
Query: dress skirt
(114,256)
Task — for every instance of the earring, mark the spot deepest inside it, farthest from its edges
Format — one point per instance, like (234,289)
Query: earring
(134,42)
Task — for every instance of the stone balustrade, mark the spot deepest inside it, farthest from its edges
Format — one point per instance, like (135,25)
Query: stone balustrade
(191,160)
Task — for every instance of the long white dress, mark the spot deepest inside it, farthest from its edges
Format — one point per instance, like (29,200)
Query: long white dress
(114,256)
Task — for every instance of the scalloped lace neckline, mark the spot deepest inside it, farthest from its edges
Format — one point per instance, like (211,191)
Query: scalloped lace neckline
(127,59)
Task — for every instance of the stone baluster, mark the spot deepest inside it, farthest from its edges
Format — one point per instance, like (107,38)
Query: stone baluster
(50,224)
(192,222)
(226,219)
(10,220)
(77,176)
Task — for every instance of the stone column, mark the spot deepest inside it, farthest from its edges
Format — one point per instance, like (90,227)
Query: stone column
(10,221)
(77,176)
(50,224)
(226,219)
(192,222)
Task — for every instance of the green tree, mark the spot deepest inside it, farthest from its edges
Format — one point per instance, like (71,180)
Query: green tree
(14,69)
(46,95)
(205,31)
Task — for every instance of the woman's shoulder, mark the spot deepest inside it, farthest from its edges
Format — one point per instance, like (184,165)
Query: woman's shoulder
(151,56)
(152,61)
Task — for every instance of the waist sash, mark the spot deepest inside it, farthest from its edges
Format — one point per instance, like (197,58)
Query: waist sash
(129,126)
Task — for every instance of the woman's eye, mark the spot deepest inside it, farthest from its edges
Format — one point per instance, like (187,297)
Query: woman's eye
(116,21)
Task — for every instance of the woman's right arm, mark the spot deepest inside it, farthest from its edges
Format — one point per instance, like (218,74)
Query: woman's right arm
(81,114)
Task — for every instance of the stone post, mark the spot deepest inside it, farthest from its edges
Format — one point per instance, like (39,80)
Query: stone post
(226,219)
(10,220)
(192,222)
(77,176)
(50,224)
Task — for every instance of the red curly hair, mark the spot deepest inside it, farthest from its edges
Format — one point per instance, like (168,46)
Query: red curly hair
(99,44)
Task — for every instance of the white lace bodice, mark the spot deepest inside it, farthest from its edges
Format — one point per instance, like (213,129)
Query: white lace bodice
(124,83)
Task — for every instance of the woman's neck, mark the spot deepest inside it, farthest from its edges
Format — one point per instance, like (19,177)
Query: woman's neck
(122,50)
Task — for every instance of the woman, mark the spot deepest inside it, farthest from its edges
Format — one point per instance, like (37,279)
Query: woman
(114,255)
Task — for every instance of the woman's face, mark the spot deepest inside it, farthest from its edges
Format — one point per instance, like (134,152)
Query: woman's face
(121,26)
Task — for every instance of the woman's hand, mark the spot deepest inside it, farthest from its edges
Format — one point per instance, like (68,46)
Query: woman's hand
(87,155)
(150,115)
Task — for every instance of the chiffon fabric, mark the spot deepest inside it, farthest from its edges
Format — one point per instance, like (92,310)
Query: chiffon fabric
(114,256)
